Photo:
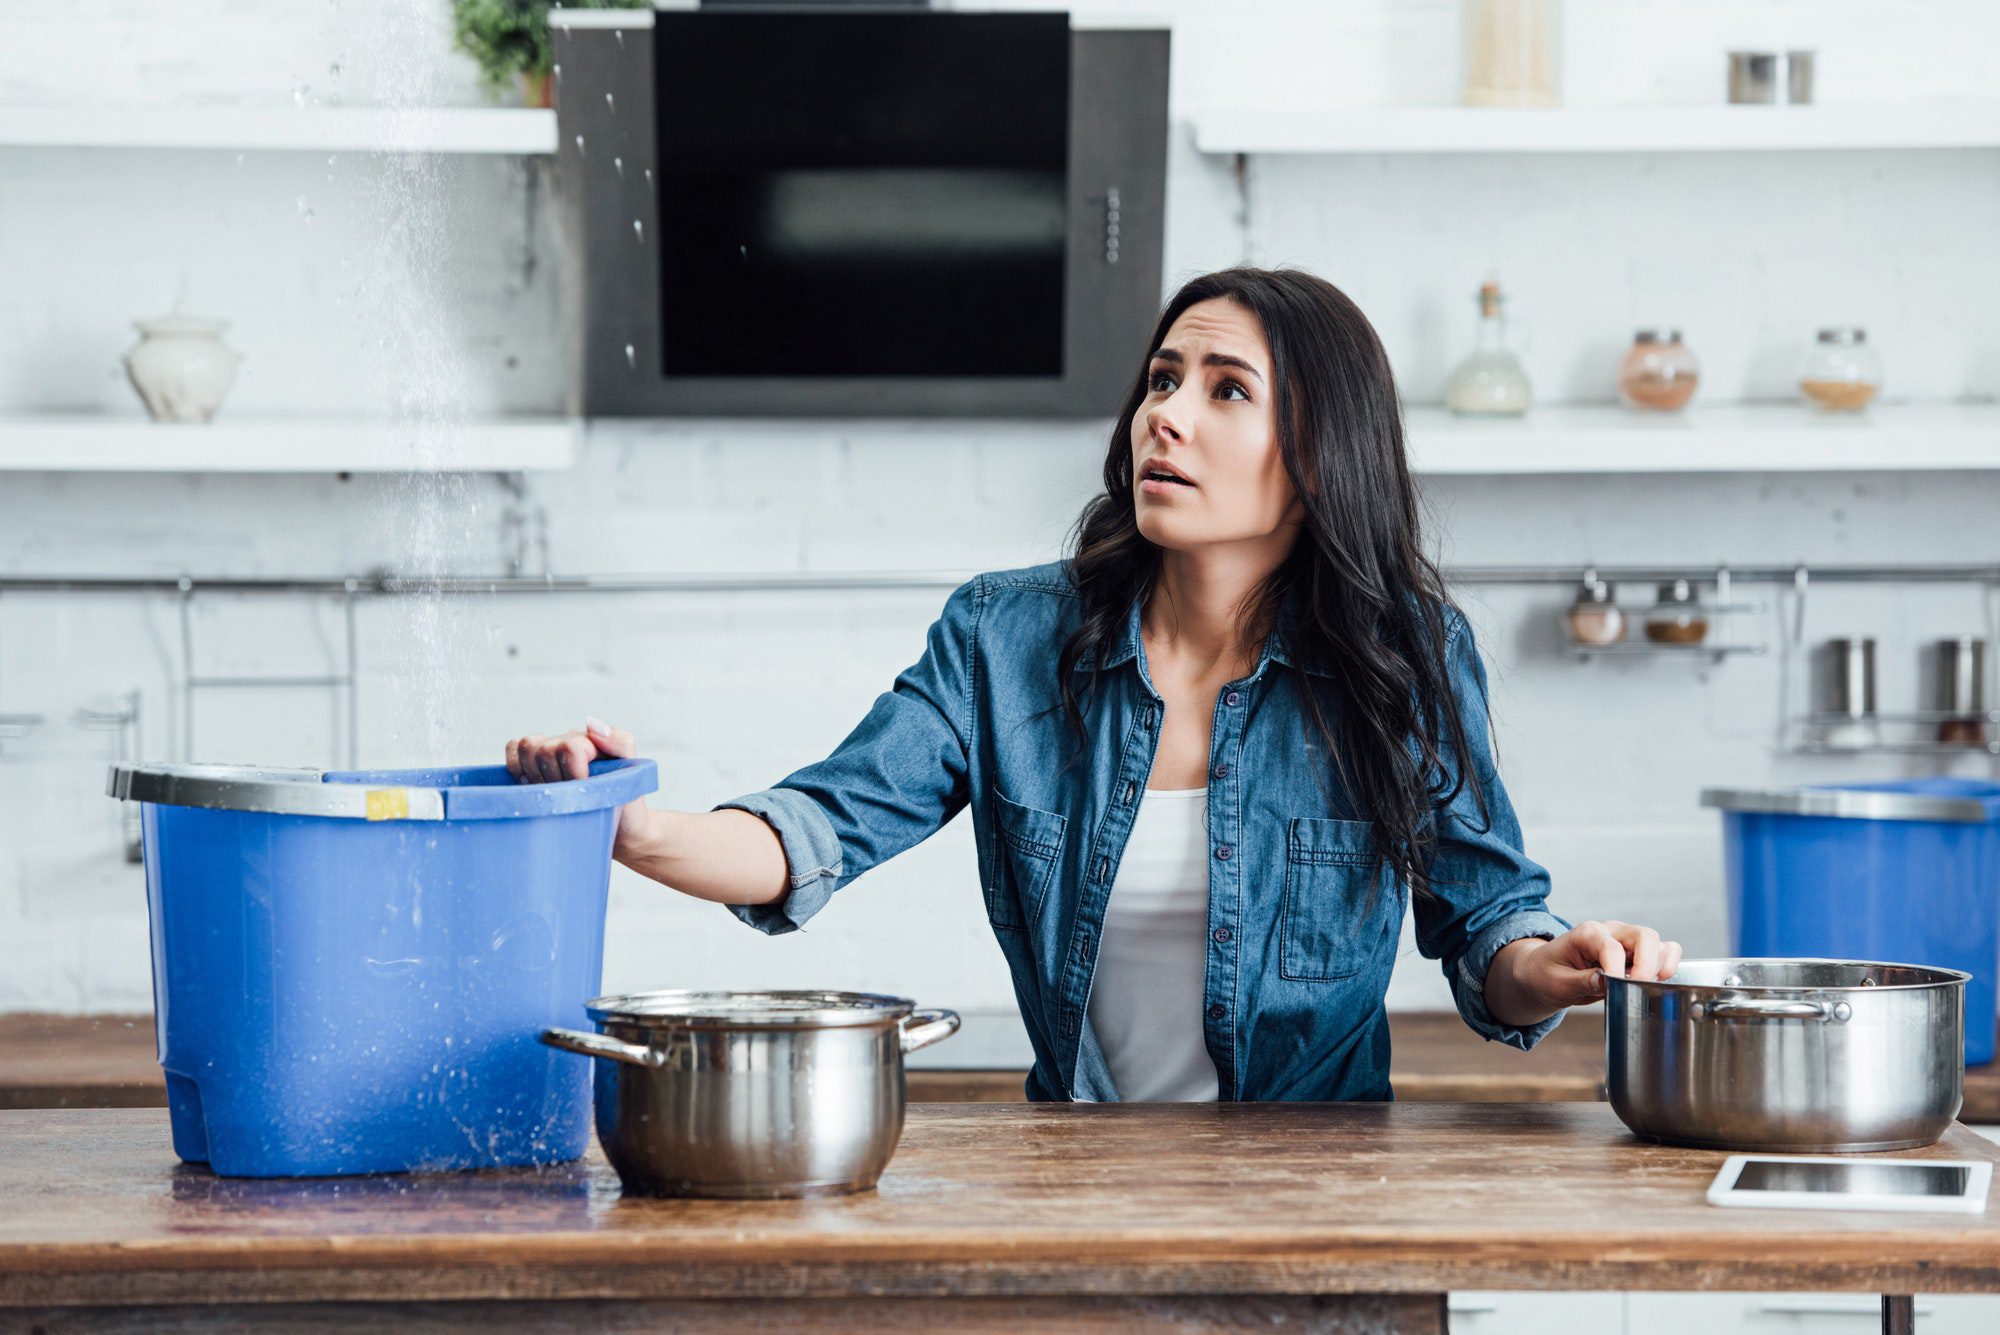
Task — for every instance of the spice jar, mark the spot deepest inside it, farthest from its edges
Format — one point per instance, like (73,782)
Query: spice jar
(1658,374)
(1594,618)
(1842,373)
(1677,618)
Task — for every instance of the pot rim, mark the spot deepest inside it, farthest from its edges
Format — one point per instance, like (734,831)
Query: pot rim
(1942,977)
(691,1008)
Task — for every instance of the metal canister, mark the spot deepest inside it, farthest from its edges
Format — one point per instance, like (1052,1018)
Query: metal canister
(1961,689)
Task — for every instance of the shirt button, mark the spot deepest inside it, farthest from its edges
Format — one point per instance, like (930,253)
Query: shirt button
(1232,699)
(1216,1012)
(1222,934)
(1222,771)
(1223,852)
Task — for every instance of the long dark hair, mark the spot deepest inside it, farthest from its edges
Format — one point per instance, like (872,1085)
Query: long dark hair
(1369,608)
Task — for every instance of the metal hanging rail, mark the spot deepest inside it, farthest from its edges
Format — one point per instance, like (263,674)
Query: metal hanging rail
(386,585)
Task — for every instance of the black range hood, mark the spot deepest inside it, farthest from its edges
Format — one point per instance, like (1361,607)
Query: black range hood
(857,211)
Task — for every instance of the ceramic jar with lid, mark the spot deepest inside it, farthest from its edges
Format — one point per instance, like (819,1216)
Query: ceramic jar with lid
(1678,617)
(1594,618)
(1658,374)
(1842,371)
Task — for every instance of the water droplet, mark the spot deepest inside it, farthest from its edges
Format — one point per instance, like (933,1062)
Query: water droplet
(239,159)
(619,33)
(631,356)
(744,251)
(332,158)
(649,176)
(558,71)
(639,231)
(579,145)
(305,209)
(334,69)
(609,105)
(619,165)
(300,93)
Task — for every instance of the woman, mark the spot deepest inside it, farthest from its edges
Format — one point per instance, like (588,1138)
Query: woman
(1211,757)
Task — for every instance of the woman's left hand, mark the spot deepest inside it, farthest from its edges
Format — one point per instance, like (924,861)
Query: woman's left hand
(1570,970)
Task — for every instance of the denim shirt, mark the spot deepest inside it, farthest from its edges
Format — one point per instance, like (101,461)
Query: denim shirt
(1302,932)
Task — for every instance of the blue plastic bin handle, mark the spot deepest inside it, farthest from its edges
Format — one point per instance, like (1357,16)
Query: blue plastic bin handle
(1850,803)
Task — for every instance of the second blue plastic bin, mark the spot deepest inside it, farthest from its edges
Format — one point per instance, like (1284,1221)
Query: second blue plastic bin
(354,981)
(1878,882)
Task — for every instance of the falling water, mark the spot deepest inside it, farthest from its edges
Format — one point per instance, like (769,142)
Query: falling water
(427,524)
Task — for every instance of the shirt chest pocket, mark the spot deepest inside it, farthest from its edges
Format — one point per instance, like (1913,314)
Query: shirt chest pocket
(1339,913)
(1027,845)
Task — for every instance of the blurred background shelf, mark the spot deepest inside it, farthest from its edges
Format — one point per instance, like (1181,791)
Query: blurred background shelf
(1642,649)
(1660,129)
(85,443)
(1723,439)
(505,130)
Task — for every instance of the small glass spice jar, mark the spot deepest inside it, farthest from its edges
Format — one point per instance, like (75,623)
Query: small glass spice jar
(1677,617)
(1594,618)
(1842,372)
(1658,374)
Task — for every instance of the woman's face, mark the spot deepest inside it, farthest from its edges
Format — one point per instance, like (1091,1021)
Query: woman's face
(1207,416)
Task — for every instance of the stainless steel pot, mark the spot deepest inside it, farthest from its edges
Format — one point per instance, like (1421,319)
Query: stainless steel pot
(1788,1055)
(751,1094)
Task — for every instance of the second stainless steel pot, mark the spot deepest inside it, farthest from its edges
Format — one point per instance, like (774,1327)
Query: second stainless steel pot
(1788,1055)
(751,1094)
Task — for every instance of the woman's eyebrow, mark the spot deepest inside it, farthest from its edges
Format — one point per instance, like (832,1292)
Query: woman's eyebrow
(1174,358)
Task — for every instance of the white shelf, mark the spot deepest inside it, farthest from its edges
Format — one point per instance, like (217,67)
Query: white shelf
(96,444)
(508,130)
(1757,438)
(1683,129)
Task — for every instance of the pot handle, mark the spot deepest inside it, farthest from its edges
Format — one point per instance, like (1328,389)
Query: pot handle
(921,1028)
(600,1045)
(1751,1008)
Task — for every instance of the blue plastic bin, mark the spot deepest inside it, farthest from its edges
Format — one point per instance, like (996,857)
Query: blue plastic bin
(1907,872)
(350,969)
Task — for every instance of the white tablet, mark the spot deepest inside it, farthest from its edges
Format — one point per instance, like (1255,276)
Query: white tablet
(1807,1183)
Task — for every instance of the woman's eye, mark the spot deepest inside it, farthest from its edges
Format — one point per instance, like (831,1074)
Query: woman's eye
(1153,382)
(1231,384)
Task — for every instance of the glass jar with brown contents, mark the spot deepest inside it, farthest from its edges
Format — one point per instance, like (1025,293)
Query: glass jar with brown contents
(1678,617)
(1842,373)
(1659,373)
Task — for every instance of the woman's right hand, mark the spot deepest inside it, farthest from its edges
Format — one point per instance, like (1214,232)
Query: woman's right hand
(539,759)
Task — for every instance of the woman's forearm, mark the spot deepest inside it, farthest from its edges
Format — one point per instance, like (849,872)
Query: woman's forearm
(1508,998)
(727,857)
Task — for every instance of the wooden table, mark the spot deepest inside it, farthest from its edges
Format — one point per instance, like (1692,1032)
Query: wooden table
(992,1217)
(49,1061)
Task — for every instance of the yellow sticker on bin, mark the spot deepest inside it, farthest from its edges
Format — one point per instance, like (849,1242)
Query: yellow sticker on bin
(388,804)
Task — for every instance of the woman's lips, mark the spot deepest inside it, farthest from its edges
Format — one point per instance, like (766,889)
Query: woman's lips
(1159,484)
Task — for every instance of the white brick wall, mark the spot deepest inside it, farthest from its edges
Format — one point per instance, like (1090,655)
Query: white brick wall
(729,692)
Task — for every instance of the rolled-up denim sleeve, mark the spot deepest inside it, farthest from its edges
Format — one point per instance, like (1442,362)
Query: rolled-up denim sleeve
(1486,891)
(897,779)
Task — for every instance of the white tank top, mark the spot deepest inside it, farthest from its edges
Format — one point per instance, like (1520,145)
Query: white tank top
(1152,955)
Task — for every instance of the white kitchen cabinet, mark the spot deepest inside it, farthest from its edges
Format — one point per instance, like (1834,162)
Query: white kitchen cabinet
(1800,1314)
(1483,1313)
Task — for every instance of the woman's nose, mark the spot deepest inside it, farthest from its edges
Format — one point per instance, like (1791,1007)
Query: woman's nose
(1160,421)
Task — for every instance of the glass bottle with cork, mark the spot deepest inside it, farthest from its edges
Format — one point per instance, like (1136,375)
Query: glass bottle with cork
(1491,382)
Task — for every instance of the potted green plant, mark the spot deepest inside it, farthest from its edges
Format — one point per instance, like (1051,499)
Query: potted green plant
(510,41)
